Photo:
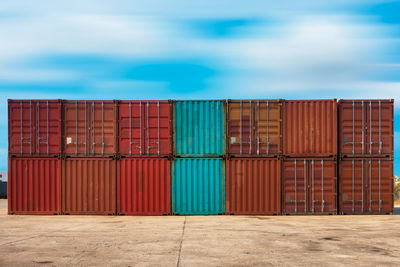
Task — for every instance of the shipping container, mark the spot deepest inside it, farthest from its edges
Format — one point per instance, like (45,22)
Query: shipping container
(310,128)
(90,128)
(34,128)
(198,186)
(145,128)
(253,186)
(144,186)
(199,128)
(3,189)
(309,186)
(366,128)
(89,186)
(254,128)
(366,186)
(34,186)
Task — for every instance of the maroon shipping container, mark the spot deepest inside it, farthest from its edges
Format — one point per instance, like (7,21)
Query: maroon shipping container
(144,186)
(310,128)
(253,186)
(254,128)
(366,128)
(90,128)
(88,186)
(309,186)
(145,128)
(34,128)
(366,186)
(34,186)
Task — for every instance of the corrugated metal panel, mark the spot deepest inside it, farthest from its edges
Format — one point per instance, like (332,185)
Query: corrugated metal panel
(199,128)
(90,128)
(88,186)
(309,186)
(254,127)
(253,186)
(3,189)
(34,186)
(34,127)
(145,128)
(144,186)
(198,186)
(366,186)
(310,128)
(366,127)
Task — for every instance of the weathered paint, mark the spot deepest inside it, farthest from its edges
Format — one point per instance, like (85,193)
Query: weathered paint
(34,186)
(253,186)
(198,186)
(199,128)
(144,186)
(366,186)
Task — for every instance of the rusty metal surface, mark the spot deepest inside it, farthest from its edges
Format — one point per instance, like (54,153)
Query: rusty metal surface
(253,186)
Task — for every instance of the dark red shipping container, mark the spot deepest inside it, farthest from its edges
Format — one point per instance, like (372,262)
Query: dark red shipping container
(34,128)
(309,186)
(90,128)
(366,128)
(366,186)
(34,186)
(145,128)
(310,128)
(253,186)
(144,186)
(89,186)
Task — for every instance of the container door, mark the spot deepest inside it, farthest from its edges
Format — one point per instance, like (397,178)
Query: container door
(267,128)
(353,128)
(48,128)
(103,128)
(295,186)
(379,133)
(76,126)
(131,128)
(158,132)
(21,128)
(241,121)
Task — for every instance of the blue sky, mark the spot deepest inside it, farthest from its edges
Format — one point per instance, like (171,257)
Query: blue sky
(198,49)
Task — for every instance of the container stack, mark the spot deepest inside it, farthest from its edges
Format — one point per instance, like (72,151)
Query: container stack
(366,156)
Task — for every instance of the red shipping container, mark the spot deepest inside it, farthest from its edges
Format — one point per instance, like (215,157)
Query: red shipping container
(34,128)
(90,128)
(310,128)
(89,186)
(366,186)
(144,186)
(34,186)
(253,186)
(145,128)
(366,128)
(309,186)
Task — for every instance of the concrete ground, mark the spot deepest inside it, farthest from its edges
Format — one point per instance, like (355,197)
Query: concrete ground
(198,240)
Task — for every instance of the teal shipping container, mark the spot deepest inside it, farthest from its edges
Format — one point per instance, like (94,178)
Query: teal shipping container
(198,186)
(199,128)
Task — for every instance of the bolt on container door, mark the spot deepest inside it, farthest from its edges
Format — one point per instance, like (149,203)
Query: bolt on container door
(254,128)
(199,128)
(310,128)
(253,186)
(34,186)
(34,128)
(198,186)
(144,186)
(90,128)
(89,186)
(145,128)
(366,186)
(309,186)
(366,128)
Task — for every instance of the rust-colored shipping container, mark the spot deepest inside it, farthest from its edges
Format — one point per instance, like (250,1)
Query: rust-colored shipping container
(34,128)
(144,186)
(310,128)
(366,128)
(254,128)
(253,186)
(366,186)
(309,186)
(145,128)
(34,186)
(89,186)
(90,128)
